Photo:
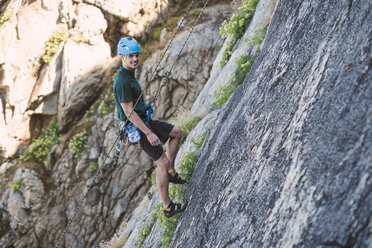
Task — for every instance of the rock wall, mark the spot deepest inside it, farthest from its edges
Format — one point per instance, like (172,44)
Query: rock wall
(38,200)
(297,168)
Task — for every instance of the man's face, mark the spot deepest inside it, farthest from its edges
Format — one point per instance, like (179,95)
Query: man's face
(132,60)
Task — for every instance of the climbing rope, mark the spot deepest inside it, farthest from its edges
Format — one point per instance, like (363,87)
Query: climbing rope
(164,81)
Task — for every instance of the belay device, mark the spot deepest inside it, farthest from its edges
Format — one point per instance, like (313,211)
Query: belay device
(131,132)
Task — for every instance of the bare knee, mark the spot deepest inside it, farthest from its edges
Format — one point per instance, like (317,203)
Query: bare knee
(162,162)
(176,132)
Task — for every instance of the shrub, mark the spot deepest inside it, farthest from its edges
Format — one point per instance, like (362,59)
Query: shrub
(79,143)
(39,149)
(236,27)
(51,46)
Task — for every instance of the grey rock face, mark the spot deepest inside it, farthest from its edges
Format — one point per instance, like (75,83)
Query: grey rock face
(191,66)
(297,168)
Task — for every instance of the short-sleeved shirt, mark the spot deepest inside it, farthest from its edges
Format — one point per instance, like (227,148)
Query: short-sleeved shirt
(127,89)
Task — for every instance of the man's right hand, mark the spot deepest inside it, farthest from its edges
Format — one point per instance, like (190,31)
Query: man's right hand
(153,139)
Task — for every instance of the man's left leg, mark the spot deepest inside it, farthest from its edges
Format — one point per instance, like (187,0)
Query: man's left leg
(174,140)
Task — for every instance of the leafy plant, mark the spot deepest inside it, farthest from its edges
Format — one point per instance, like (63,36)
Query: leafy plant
(223,94)
(236,27)
(93,167)
(244,64)
(198,142)
(146,228)
(79,143)
(17,184)
(186,126)
(168,225)
(108,104)
(4,18)
(39,149)
(51,46)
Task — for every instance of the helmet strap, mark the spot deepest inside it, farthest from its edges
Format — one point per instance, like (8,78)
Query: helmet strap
(125,64)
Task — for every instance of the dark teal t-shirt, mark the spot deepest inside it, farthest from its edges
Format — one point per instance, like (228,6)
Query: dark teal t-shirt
(127,89)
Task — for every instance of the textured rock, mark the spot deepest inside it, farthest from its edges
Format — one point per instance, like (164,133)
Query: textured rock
(297,168)
(190,71)
(20,52)
(219,77)
(82,76)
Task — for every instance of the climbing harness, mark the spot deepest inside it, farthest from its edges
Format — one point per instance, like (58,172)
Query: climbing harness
(157,94)
(130,131)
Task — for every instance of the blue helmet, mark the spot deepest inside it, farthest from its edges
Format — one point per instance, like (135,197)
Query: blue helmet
(128,45)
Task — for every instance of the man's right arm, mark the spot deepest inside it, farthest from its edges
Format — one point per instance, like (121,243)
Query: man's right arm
(136,120)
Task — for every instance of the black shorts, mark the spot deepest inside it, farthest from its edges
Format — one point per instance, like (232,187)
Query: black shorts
(162,130)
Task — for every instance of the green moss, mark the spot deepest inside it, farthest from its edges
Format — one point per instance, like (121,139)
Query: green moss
(51,46)
(39,149)
(79,143)
(236,27)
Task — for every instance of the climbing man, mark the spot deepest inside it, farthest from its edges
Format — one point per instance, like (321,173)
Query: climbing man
(152,134)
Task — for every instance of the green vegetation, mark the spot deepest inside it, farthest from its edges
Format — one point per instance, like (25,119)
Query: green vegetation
(39,149)
(92,110)
(197,12)
(4,224)
(236,27)
(176,192)
(51,46)
(146,228)
(188,125)
(17,185)
(108,104)
(244,64)
(198,142)
(4,18)
(93,167)
(156,33)
(79,143)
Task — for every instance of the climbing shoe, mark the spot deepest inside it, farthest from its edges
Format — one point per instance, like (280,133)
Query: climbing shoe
(174,209)
(175,178)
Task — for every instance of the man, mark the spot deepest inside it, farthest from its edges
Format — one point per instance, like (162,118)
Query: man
(127,91)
